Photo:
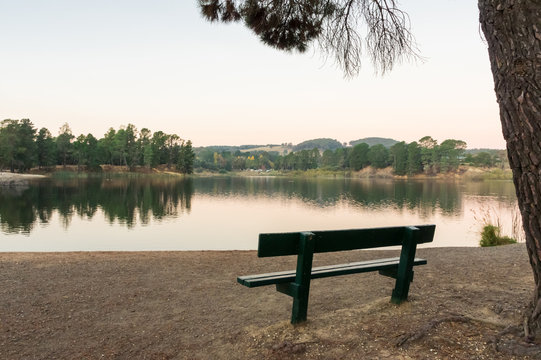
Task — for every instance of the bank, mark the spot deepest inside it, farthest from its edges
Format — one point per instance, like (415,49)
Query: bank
(463,173)
(466,303)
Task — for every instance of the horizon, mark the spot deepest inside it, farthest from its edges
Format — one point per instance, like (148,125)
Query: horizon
(102,65)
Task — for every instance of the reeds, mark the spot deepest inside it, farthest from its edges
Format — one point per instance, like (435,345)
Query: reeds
(492,227)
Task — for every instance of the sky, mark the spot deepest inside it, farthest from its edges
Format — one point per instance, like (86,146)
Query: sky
(159,65)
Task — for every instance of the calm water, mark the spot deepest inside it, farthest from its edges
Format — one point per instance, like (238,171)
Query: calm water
(170,213)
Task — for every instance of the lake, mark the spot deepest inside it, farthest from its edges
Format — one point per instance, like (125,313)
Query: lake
(132,213)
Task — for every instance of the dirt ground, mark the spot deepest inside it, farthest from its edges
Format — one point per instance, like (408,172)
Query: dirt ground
(466,303)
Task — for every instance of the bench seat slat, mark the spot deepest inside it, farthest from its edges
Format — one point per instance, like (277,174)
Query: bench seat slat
(323,271)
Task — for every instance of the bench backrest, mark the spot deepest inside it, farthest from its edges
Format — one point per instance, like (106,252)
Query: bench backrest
(282,244)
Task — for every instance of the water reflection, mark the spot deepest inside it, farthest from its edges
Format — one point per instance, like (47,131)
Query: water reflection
(229,212)
(426,196)
(121,199)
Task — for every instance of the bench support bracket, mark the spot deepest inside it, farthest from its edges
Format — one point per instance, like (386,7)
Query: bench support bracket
(404,274)
(290,289)
(300,289)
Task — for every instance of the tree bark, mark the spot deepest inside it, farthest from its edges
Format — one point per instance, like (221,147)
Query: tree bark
(512,29)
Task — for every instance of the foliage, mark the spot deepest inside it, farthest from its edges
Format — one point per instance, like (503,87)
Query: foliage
(17,144)
(490,236)
(334,24)
(378,156)
(46,149)
(491,221)
(399,154)
(406,159)
(186,158)
(64,146)
(21,148)
(358,158)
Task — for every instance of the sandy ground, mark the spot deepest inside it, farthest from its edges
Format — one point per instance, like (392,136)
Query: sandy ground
(14,179)
(465,304)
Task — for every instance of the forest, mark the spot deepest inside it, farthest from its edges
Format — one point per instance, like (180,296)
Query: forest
(423,156)
(23,147)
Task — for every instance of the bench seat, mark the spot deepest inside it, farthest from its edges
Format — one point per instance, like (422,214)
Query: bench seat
(325,271)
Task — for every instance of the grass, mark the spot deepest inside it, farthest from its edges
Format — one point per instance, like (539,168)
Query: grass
(492,233)
(491,236)
(480,174)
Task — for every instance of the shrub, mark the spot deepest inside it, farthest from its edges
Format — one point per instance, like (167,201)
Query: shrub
(490,236)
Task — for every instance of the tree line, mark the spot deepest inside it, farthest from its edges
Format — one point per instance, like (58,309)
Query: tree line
(23,147)
(423,156)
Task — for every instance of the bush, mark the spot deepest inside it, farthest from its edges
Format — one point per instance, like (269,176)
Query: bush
(490,236)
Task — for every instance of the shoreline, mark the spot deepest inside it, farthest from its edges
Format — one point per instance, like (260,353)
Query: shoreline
(465,173)
(187,305)
(16,179)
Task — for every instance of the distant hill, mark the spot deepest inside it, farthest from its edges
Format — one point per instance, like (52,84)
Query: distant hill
(322,144)
(371,141)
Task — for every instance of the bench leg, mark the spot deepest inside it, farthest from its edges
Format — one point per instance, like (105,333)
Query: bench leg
(302,278)
(405,267)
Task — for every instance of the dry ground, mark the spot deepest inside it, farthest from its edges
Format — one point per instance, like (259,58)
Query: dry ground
(465,304)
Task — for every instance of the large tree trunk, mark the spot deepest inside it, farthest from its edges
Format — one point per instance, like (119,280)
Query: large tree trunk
(512,30)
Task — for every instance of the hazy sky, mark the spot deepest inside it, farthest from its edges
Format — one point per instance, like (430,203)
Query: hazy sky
(158,64)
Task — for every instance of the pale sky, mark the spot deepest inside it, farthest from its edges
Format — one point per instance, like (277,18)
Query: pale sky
(158,64)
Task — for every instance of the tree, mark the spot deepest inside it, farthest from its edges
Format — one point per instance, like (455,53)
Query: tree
(79,151)
(120,147)
(342,158)
(512,32)
(483,159)
(106,146)
(92,152)
(46,148)
(145,149)
(131,146)
(64,146)
(399,153)
(186,158)
(8,143)
(429,154)
(172,144)
(327,159)
(358,157)
(450,153)
(159,149)
(415,165)
(378,155)
(293,25)
(17,144)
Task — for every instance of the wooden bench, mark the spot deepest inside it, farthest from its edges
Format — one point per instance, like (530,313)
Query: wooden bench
(296,283)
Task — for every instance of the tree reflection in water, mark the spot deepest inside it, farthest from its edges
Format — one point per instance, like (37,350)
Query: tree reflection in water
(130,199)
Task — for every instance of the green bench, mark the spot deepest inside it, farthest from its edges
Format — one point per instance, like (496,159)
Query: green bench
(296,283)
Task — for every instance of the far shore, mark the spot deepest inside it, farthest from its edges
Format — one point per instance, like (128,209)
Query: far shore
(464,173)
